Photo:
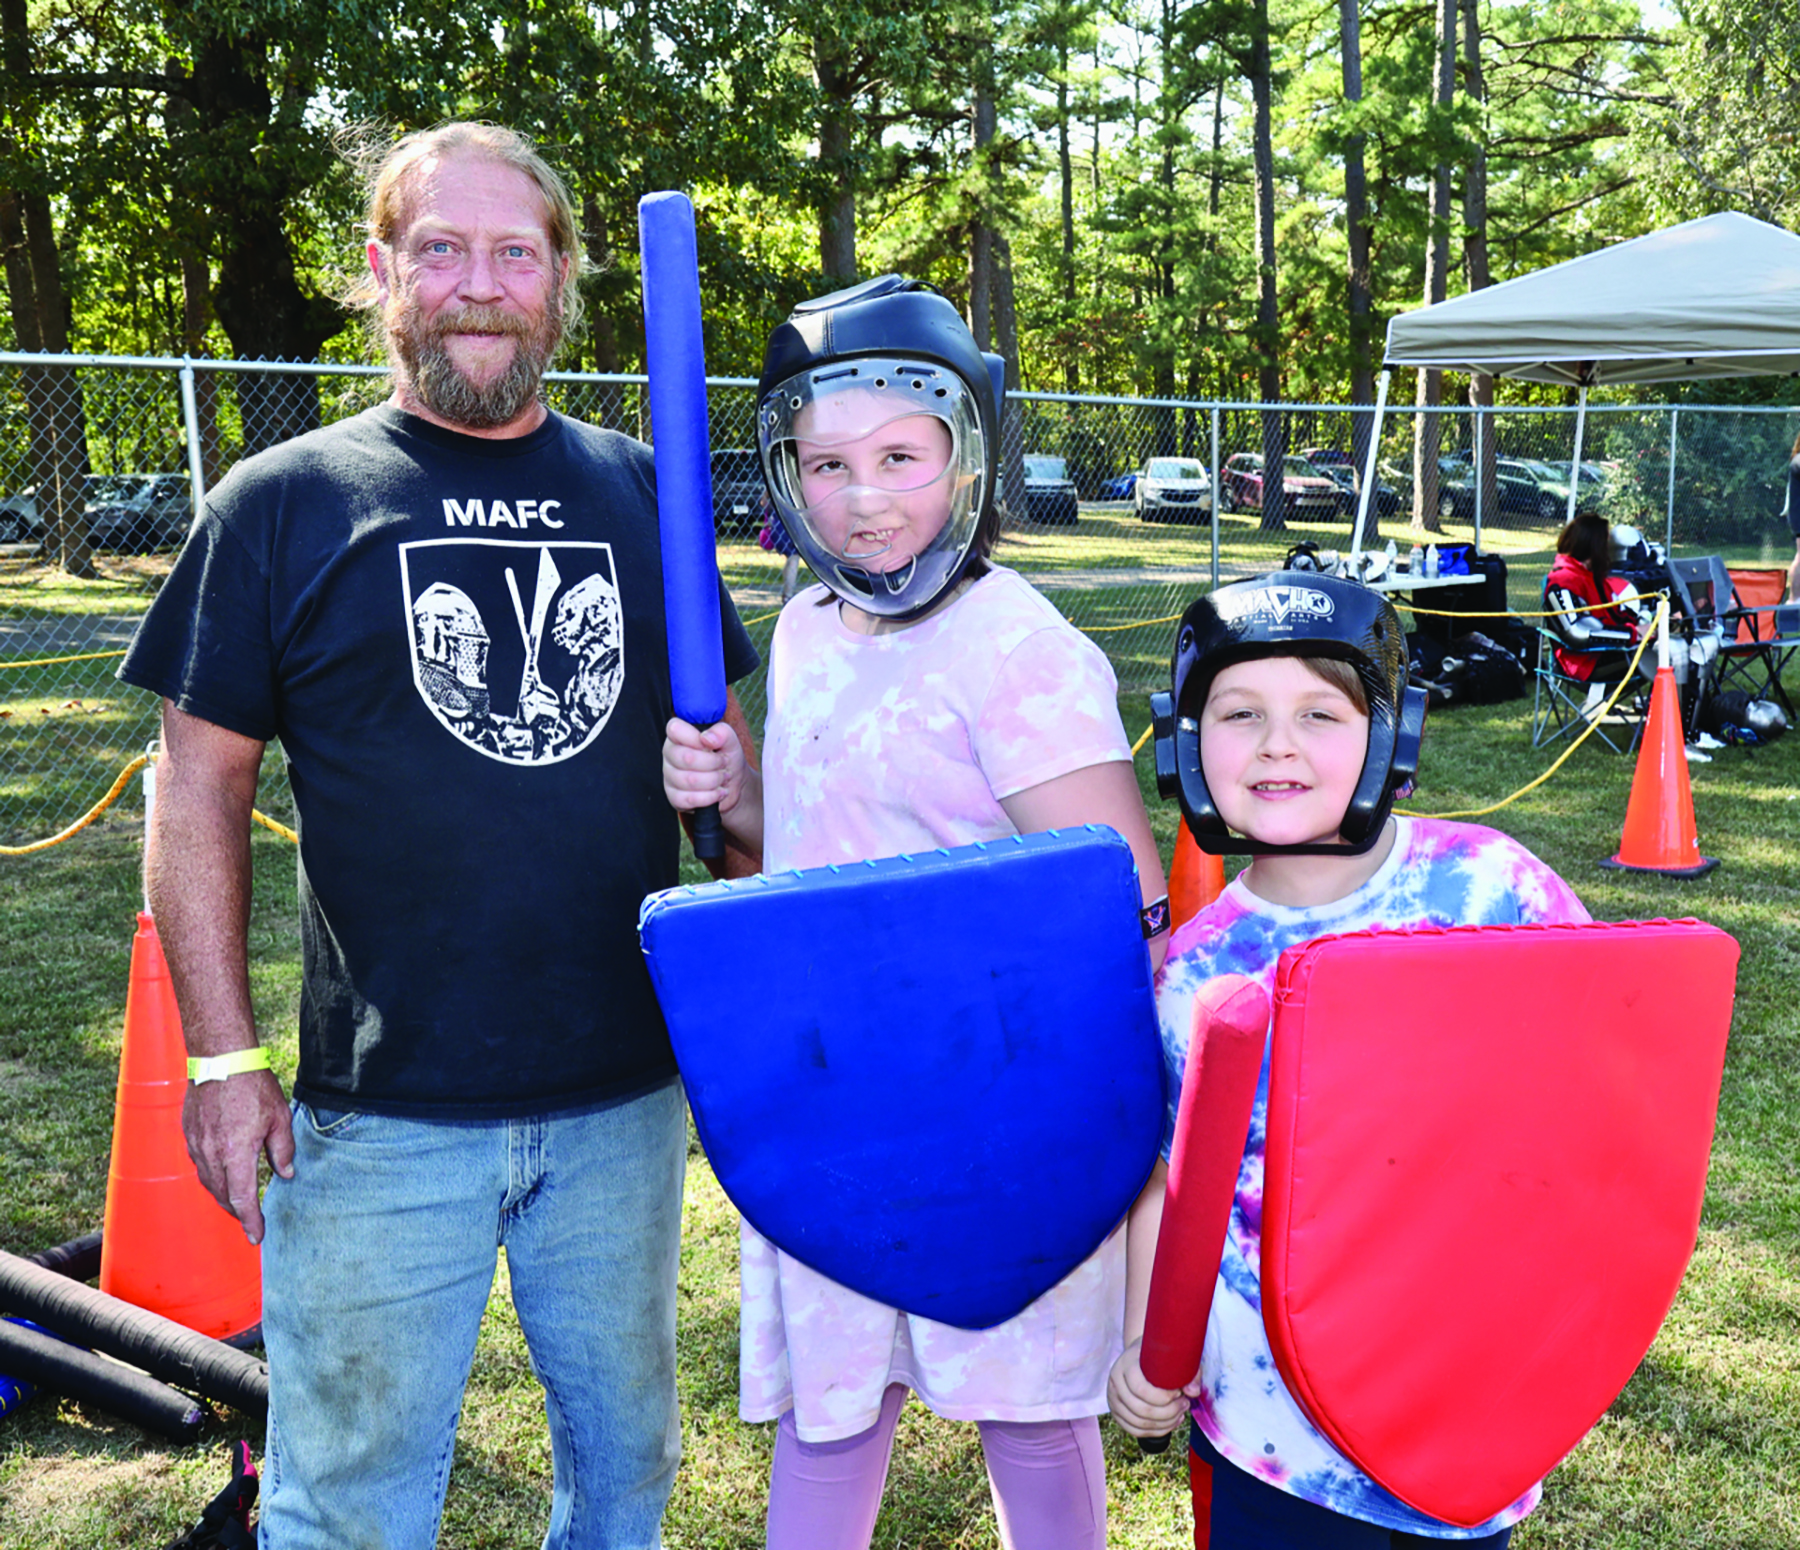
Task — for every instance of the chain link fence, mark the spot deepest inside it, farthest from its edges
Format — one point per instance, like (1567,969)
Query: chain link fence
(1120,510)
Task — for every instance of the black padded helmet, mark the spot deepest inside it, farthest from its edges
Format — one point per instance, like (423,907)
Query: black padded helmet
(1297,614)
(905,346)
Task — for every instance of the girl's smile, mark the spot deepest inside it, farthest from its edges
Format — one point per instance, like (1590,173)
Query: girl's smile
(1282,750)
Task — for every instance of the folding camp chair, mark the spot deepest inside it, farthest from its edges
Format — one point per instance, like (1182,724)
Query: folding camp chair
(1768,632)
(1559,700)
(1704,617)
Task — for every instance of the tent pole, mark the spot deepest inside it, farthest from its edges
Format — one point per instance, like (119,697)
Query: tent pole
(1368,480)
(1480,441)
(1669,518)
(1575,464)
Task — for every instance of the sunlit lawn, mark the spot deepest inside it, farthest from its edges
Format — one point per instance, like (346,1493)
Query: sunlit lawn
(1702,1450)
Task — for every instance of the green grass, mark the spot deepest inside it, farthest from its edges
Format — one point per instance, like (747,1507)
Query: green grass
(1702,1449)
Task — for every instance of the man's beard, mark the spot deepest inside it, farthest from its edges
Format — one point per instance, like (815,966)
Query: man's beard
(441,386)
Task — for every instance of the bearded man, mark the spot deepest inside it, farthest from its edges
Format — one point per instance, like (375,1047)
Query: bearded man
(482,1062)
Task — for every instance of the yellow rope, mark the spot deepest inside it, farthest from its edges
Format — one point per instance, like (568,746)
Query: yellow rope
(118,787)
(1625,683)
(1527,613)
(88,817)
(1138,747)
(1142,624)
(86,656)
(760,619)
(274,826)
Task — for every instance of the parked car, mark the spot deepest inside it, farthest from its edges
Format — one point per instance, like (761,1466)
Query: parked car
(19,519)
(1049,491)
(1174,489)
(1522,486)
(1309,493)
(1341,471)
(133,513)
(740,500)
(1121,487)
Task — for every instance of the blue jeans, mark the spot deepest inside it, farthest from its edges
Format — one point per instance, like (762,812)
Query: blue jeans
(377,1264)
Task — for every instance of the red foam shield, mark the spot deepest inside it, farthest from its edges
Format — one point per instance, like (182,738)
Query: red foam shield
(1487,1148)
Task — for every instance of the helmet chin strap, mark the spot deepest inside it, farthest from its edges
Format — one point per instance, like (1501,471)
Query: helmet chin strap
(898,580)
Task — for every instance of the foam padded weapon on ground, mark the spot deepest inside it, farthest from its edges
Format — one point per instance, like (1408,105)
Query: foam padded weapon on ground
(164,1349)
(51,1363)
(950,1090)
(676,359)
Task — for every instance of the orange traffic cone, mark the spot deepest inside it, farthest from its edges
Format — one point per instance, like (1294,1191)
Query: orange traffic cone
(167,1245)
(1195,879)
(1659,817)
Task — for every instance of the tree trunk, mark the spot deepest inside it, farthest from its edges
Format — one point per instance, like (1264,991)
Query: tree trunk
(981,234)
(56,415)
(257,298)
(55,411)
(196,319)
(1099,103)
(1065,166)
(1215,179)
(601,328)
(1268,318)
(1006,337)
(1475,249)
(1356,230)
(1164,428)
(837,132)
(1428,429)
(188,235)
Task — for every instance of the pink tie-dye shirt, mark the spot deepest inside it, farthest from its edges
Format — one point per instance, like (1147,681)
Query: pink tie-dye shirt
(877,746)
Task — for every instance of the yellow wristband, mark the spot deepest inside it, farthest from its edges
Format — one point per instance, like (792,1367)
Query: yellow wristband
(215,1068)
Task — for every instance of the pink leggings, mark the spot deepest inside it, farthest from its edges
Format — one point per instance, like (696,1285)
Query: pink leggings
(1048,1480)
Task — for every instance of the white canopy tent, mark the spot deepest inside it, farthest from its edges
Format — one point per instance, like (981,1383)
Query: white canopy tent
(1717,297)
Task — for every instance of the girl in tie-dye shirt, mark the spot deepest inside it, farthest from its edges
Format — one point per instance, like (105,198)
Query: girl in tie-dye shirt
(1284,740)
(921,697)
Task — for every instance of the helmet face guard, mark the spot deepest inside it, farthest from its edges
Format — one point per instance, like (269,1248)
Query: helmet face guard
(1300,614)
(877,429)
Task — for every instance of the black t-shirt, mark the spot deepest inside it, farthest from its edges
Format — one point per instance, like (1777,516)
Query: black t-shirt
(460,644)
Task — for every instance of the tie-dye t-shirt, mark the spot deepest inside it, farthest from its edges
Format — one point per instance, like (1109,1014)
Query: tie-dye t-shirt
(1438,874)
(875,746)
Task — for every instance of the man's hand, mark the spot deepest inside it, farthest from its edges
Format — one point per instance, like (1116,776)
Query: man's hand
(229,1125)
(1137,1404)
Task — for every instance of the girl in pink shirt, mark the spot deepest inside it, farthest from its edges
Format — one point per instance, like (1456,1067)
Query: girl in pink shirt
(920,697)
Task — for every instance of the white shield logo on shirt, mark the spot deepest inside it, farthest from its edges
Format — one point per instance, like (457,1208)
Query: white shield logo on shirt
(517,648)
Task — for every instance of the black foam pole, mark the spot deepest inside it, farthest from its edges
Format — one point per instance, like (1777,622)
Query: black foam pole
(160,1346)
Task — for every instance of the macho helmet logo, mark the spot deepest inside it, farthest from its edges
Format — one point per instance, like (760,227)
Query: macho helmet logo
(1273,605)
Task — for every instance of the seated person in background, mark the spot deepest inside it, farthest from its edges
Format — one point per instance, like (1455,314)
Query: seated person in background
(1580,581)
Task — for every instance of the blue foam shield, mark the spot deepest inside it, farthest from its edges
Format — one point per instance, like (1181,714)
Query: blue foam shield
(935,1079)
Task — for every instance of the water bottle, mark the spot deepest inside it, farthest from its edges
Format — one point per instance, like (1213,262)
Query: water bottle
(1431,561)
(1416,561)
